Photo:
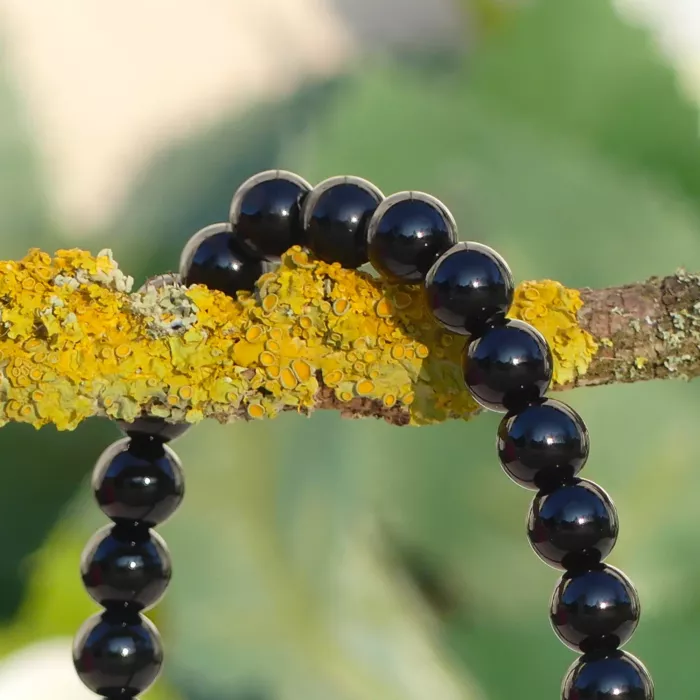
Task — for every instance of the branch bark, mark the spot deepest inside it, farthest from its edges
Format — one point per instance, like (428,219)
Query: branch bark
(648,330)
(76,342)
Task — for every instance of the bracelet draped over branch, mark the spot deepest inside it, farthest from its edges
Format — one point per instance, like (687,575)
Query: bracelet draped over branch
(76,342)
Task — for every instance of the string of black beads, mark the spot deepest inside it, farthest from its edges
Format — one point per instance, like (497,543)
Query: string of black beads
(126,568)
(138,482)
(542,445)
(409,237)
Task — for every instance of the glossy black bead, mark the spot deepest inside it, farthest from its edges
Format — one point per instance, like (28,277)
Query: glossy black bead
(509,366)
(266,212)
(574,527)
(595,610)
(335,217)
(467,287)
(152,425)
(118,654)
(407,233)
(543,445)
(138,481)
(616,675)
(215,258)
(126,566)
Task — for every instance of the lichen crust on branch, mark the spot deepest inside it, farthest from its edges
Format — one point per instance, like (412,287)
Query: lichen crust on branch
(76,342)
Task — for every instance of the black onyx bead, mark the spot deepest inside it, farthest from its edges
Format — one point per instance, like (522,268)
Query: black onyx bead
(215,258)
(335,217)
(615,675)
(543,445)
(138,481)
(126,566)
(265,212)
(595,610)
(118,654)
(407,233)
(152,425)
(574,527)
(509,366)
(467,287)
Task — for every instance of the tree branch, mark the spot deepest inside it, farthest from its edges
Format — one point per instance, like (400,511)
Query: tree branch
(648,330)
(76,343)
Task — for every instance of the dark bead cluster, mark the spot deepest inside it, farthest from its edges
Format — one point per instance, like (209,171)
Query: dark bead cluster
(138,483)
(410,238)
(345,220)
(543,445)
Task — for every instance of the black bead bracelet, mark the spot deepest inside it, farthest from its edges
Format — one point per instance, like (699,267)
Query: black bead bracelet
(410,238)
(138,483)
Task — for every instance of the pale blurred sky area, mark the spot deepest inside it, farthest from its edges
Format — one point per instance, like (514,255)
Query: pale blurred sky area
(108,83)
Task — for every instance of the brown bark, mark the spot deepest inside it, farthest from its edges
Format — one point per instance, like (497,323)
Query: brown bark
(648,330)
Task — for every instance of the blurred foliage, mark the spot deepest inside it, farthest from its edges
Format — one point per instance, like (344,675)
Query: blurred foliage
(572,68)
(42,473)
(489,15)
(352,560)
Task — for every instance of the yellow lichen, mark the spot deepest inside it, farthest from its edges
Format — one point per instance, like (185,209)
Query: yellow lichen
(75,343)
(255,410)
(333,377)
(302,370)
(269,302)
(364,387)
(340,306)
(389,400)
(553,309)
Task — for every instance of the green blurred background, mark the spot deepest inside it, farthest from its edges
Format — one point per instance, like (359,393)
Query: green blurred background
(328,559)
